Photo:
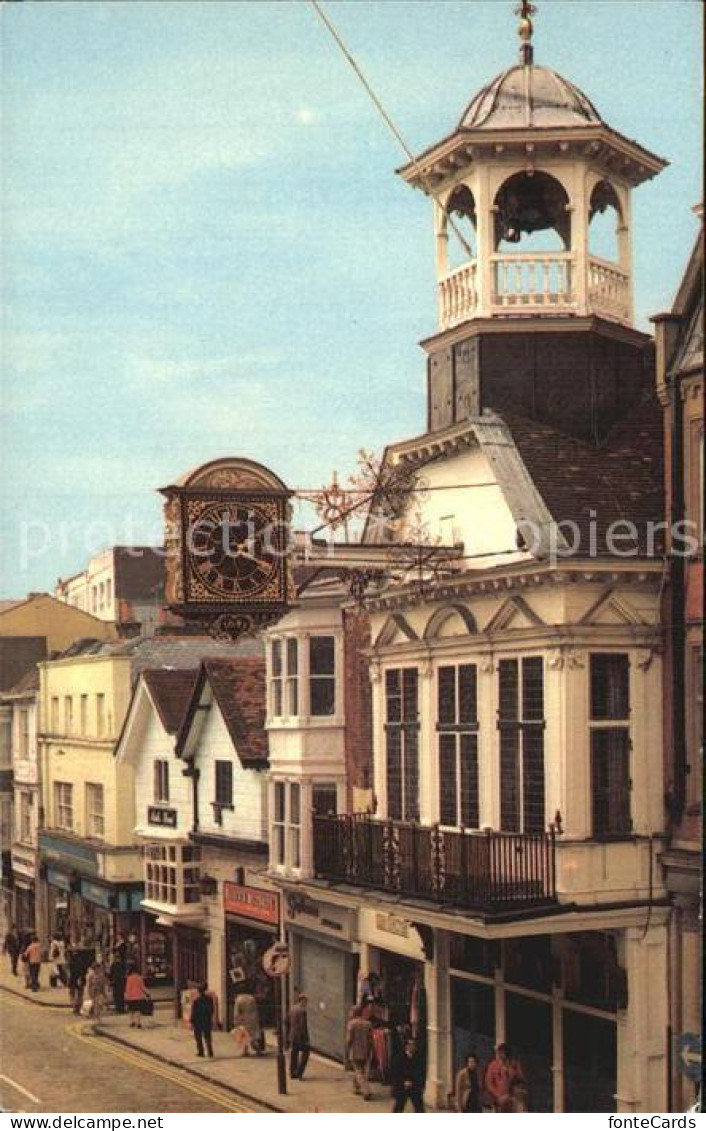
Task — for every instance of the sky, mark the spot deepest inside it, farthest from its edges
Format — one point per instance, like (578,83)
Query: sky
(206,251)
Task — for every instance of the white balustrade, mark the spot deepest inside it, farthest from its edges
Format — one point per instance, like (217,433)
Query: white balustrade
(532,282)
(608,290)
(458,297)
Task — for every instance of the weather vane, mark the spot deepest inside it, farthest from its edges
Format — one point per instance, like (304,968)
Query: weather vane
(525,29)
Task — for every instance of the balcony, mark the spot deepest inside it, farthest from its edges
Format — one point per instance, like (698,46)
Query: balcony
(487,872)
(535,283)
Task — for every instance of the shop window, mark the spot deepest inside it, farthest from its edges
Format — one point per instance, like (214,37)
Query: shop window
(610,744)
(457,727)
(473,956)
(402,743)
(528,962)
(64,805)
(521,724)
(324,800)
(322,675)
(224,789)
(161,779)
(95,810)
(590,971)
(590,1062)
(529,1031)
(473,1020)
(25,822)
(100,715)
(68,714)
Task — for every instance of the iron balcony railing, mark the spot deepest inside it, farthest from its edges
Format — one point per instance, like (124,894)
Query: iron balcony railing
(483,871)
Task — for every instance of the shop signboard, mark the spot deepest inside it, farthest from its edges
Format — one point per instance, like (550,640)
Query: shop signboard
(158,815)
(94,893)
(58,879)
(251,903)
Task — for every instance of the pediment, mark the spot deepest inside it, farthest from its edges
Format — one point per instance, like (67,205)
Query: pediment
(612,609)
(450,621)
(395,630)
(514,613)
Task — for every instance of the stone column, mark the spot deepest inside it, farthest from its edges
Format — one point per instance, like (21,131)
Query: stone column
(642,1027)
(438,991)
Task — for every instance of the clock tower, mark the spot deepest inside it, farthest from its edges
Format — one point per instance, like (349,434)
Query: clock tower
(531,197)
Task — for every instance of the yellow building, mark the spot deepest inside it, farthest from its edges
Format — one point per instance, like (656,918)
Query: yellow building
(42,615)
(90,866)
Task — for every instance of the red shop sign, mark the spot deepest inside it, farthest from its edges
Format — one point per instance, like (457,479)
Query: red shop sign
(251,903)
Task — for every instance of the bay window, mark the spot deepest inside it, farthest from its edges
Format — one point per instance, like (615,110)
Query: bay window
(402,743)
(285,845)
(610,744)
(322,675)
(521,725)
(457,728)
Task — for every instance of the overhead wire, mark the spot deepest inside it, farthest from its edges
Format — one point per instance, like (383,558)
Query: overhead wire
(338,40)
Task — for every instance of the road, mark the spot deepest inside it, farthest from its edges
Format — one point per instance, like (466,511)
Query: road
(50,1062)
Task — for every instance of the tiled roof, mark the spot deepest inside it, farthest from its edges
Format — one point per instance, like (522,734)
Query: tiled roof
(171,690)
(6,605)
(27,685)
(239,689)
(597,486)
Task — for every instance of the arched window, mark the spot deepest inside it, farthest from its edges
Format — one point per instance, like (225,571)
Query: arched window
(532,214)
(605,219)
(461,221)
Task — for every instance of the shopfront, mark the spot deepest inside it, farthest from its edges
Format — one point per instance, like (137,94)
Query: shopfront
(156,951)
(24,894)
(554,1000)
(324,966)
(252,919)
(58,901)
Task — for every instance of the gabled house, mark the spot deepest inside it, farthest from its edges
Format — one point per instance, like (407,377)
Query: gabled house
(163,813)
(223,744)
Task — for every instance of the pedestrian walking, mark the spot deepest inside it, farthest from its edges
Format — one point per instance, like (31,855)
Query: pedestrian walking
(505,1080)
(359,1051)
(298,1038)
(467,1092)
(245,1014)
(57,955)
(96,988)
(117,975)
(11,947)
(202,1021)
(407,1077)
(136,996)
(33,957)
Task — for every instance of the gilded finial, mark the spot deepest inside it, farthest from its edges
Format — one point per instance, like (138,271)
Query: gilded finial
(525,29)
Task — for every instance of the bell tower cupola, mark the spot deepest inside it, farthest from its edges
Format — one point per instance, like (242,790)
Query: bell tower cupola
(531,197)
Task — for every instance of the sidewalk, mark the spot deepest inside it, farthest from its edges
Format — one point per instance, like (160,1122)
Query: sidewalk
(326,1087)
(59,998)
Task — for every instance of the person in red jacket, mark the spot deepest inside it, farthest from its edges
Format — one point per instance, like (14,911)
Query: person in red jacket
(503,1077)
(135,996)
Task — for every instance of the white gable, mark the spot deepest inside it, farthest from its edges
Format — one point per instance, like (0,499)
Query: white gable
(247,819)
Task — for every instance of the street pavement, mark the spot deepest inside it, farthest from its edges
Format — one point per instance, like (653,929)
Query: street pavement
(52,1061)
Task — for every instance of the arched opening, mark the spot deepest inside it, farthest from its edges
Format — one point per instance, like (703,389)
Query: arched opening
(532,214)
(605,222)
(461,221)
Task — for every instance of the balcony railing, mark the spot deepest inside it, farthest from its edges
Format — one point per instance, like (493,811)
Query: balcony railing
(481,871)
(608,290)
(535,281)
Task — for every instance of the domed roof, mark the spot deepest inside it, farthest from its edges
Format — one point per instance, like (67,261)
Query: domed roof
(529,96)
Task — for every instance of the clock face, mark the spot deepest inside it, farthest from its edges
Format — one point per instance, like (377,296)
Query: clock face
(232,551)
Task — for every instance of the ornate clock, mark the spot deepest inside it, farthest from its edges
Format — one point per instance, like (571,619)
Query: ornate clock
(227,541)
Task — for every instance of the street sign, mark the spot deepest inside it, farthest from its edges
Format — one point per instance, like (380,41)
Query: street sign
(275,961)
(690,1055)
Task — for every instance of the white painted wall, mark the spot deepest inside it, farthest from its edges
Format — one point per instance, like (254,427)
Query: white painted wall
(248,820)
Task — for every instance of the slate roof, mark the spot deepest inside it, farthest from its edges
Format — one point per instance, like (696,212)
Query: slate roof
(619,480)
(171,690)
(238,687)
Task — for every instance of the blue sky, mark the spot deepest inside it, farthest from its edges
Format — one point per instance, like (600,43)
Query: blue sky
(206,251)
